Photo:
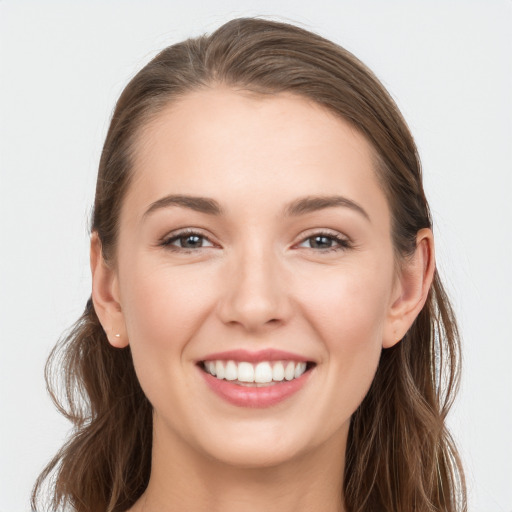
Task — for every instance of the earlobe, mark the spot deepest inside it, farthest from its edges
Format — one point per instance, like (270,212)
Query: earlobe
(105,296)
(412,287)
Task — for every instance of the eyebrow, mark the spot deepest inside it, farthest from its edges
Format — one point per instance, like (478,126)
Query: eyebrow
(310,204)
(297,207)
(199,204)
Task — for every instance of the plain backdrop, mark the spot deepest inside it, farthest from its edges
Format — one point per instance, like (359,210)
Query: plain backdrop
(63,64)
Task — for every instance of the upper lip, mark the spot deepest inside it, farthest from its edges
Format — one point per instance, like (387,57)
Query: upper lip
(268,354)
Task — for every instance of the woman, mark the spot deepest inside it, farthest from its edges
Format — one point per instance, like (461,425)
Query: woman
(266,330)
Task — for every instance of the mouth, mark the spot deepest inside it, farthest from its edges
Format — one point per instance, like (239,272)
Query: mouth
(258,379)
(260,374)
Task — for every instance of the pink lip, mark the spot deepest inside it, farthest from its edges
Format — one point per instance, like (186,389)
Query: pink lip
(269,354)
(245,396)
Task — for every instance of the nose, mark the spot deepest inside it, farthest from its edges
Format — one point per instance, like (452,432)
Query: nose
(255,294)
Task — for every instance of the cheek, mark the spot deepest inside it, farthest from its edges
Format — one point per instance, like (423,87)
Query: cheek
(349,307)
(163,309)
(348,321)
(348,312)
(164,304)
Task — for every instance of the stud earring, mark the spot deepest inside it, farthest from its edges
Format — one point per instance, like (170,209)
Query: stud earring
(117,335)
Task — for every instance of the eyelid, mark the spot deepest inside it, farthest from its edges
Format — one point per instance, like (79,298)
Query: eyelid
(343,241)
(167,240)
(325,232)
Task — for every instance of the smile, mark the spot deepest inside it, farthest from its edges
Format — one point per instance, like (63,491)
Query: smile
(263,373)
(258,379)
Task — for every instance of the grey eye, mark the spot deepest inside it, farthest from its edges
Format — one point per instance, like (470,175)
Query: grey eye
(187,241)
(190,241)
(321,242)
(325,242)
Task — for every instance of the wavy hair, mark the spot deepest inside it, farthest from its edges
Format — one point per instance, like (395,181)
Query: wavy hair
(400,456)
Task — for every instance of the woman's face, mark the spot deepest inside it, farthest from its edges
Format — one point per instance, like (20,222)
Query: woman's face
(254,224)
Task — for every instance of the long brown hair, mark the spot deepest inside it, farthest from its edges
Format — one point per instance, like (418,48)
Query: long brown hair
(400,456)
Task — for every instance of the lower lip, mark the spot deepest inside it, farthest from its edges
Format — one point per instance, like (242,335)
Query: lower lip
(256,397)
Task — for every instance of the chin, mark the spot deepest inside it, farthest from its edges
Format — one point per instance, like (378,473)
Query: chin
(253,455)
(258,447)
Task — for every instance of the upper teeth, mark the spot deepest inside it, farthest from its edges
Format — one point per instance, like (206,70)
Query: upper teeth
(260,373)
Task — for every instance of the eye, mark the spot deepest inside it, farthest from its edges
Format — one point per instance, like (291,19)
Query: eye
(186,241)
(326,242)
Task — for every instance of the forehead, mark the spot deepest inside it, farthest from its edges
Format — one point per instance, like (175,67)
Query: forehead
(250,149)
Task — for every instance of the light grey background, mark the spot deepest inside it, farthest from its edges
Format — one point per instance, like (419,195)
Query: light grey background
(448,65)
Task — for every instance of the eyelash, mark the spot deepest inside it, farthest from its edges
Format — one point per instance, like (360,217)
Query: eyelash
(343,243)
(182,234)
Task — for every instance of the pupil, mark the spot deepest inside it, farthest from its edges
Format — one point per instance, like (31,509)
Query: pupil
(321,240)
(193,239)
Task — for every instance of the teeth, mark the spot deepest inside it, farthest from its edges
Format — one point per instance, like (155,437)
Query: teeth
(219,370)
(210,367)
(289,371)
(299,370)
(278,372)
(231,371)
(262,373)
(245,372)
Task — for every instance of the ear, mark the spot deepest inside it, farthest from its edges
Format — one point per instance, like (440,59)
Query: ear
(105,296)
(411,289)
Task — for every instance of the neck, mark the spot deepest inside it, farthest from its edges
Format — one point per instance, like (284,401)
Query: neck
(183,479)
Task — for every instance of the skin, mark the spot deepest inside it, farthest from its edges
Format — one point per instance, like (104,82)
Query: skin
(256,281)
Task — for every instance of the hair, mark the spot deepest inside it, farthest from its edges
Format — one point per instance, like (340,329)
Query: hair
(400,456)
